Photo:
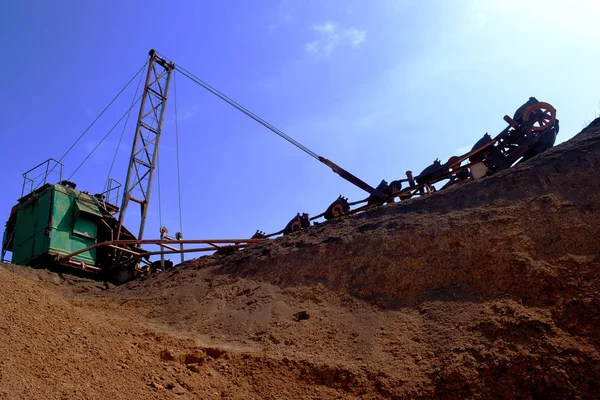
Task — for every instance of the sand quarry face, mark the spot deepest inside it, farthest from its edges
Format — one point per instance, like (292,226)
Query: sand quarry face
(486,290)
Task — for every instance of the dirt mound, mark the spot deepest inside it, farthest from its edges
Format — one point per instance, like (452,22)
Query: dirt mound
(486,290)
(58,343)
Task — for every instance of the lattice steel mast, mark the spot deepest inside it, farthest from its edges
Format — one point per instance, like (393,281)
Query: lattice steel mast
(144,152)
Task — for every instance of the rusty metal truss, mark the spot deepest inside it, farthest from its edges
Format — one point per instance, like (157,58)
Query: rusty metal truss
(144,153)
(139,255)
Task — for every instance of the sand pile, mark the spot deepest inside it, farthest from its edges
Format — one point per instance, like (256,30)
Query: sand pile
(486,290)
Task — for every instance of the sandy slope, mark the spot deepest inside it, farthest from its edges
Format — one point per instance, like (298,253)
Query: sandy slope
(488,290)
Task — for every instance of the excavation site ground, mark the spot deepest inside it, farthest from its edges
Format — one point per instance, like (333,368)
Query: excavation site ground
(489,289)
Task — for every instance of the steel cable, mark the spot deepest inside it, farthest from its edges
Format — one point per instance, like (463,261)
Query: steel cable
(123,131)
(103,111)
(160,224)
(104,138)
(249,113)
(177,155)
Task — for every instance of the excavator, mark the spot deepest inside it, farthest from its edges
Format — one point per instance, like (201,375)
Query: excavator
(59,224)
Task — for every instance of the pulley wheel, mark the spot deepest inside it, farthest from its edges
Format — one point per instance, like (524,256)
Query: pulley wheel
(542,114)
(337,210)
(296,226)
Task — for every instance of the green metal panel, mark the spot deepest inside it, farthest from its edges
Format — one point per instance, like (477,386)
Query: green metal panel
(73,224)
(57,221)
(87,204)
(85,227)
(31,233)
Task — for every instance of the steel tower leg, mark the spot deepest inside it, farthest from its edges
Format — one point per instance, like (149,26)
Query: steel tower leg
(144,152)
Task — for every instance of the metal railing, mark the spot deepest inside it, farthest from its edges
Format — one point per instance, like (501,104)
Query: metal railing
(112,192)
(49,167)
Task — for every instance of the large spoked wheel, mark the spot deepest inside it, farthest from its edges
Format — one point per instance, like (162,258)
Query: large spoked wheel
(539,116)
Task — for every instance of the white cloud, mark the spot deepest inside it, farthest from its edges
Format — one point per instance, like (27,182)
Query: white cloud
(282,18)
(356,36)
(331,36)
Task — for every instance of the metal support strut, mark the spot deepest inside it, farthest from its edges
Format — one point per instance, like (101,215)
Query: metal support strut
(144,151)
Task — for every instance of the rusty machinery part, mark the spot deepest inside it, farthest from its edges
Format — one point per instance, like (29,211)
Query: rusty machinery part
(163,232)
(160,266)
(226,251)
(378,196)
(452,161)
(136,254)
(296,226)
(429,172)
(297,223)
(540,115)
(480,155)
(259,235)
(336,209)
(532,130)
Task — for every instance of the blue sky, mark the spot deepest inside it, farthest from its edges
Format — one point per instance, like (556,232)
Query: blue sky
(379,87)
